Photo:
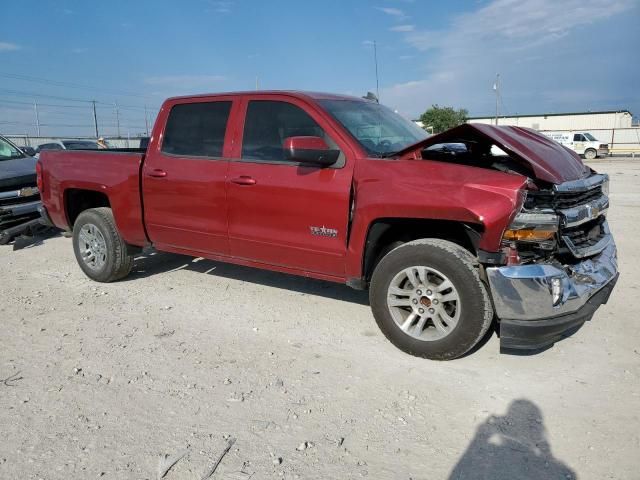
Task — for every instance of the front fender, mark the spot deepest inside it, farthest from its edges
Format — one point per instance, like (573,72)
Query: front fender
(387,188)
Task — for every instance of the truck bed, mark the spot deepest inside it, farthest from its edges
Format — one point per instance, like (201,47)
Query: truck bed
(114,173)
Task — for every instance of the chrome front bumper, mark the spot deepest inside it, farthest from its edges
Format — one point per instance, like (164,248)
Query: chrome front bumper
(524,292)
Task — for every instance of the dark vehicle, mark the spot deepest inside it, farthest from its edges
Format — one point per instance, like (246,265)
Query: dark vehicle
(69,145)
(19,194)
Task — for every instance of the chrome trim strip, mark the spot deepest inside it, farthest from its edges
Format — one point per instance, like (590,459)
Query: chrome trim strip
(583,184)
(574,216)
(10,194)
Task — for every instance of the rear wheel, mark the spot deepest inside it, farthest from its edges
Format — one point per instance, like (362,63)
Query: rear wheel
(100,250)
(428,299)
(590,154)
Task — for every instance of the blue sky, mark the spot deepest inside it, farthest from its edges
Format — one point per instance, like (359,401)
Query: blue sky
(552,55)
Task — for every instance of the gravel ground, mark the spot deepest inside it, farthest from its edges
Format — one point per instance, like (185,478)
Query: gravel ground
(103,380)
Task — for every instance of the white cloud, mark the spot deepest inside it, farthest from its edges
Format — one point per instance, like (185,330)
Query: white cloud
(543,21)
(80,50)
(221,6)
(8,47)
(185,81)
(497,37)
(393,12)
(403,28)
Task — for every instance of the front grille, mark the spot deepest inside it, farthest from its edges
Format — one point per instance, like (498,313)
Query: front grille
(586,235)
(561,200)
(18,200)
(581,206)
(11,216)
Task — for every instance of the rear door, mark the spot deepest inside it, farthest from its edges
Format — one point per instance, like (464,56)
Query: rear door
(184,176)
(283,213)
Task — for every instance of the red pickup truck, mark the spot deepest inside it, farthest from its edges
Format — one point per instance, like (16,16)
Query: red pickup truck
(448,232)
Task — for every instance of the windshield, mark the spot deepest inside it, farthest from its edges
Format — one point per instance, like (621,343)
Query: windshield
(81,145)
(377,128)
(8,151)
(590,137)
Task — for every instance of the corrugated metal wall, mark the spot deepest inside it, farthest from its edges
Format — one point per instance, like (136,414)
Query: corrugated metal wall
(564,122)
(28,141)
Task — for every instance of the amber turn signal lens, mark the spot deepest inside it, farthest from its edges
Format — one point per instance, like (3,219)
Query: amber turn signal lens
(528,235)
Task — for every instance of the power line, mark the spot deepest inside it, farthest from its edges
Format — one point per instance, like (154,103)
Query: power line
(71,112)
(68,99)
(17,102)
(31,94)
(57,83)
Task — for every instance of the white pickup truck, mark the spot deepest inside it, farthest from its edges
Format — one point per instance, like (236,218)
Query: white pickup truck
(583,143)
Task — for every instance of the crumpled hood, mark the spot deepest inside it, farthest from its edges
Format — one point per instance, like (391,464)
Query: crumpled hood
(550,161)
(18,172)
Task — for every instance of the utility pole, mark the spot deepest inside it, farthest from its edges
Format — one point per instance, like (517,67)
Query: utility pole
(146,121)
(117,119)
(375,59)
(95,119)
(257,83)
(496,87)
(35,107)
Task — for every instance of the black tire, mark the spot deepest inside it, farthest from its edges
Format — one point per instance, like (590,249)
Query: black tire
(590,154)
(118,261)
(461,268)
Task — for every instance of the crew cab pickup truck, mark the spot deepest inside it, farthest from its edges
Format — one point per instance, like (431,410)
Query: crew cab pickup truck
(509,226)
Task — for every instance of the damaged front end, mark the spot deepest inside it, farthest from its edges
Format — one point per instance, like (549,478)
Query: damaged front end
(557,260)
(560,268)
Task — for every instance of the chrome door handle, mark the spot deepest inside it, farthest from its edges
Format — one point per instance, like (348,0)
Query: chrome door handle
(157,173)
(244,180)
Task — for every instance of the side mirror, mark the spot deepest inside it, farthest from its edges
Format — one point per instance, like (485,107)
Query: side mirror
(309,150)
(29,151)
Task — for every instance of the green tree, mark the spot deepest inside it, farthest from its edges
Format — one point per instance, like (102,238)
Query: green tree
(443,118)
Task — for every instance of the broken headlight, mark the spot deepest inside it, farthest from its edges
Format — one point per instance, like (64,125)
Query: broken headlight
(533,228)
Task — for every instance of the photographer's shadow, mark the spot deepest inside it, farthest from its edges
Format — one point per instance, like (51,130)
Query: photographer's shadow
(513,446)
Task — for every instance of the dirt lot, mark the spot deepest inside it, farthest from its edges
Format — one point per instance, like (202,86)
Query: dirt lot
(101,380)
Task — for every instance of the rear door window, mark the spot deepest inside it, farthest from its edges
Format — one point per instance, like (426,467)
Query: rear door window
(197,129)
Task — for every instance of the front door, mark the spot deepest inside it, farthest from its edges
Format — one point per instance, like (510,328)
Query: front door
(184,179)
(280,212)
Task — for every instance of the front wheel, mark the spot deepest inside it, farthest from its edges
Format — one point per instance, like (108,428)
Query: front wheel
(428,299)
(590,154)
(100,250)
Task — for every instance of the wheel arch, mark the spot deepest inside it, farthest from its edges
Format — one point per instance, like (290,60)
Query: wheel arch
(385,233)
(77,200)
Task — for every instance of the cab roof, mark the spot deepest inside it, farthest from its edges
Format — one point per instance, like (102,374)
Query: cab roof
(291,93)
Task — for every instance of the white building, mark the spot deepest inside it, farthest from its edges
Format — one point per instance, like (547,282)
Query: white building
(564,121)
(612,127)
